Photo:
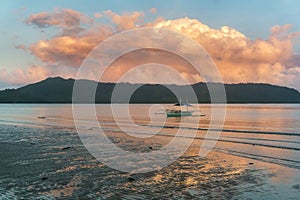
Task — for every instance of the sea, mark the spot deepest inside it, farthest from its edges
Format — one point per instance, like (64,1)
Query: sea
(259,133)
(273,129)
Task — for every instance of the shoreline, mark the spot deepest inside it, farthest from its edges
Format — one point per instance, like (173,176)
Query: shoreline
(48,163)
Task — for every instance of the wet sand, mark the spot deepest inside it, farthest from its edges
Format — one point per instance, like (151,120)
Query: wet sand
(51,163)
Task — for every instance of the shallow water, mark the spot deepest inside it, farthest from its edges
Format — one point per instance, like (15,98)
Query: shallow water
(269,132)
(256,156)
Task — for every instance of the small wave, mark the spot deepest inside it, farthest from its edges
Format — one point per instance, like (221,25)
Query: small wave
(228,130)
(264,158)
(214,139)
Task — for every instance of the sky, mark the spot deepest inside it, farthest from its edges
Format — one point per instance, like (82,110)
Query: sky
(249,41)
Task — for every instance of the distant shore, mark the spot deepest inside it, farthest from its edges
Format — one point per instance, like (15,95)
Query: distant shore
(59,90)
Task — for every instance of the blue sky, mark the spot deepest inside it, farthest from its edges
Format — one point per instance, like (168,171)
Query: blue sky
(252,18)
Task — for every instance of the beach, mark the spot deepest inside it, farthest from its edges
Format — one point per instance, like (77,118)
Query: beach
(48,162)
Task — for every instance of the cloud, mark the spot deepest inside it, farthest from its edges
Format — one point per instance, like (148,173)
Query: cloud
(69,50)
(294,61)
(65,18)
(153,10)
(126,21)
(98,15)
(71,47)
(21,76)
(239,58)
(21,46)
(150,58)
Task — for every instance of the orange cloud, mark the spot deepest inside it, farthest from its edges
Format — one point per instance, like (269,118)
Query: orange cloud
(69,50)
(97,15)
(239,58)
(153,10)
(126,21)
(148,58)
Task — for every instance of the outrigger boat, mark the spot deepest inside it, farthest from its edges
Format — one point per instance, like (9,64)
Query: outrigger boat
(179,112)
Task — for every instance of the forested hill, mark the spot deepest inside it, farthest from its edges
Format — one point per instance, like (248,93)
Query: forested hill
(59,90)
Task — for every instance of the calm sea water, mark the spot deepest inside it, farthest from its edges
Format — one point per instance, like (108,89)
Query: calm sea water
(257,155)
(266,132)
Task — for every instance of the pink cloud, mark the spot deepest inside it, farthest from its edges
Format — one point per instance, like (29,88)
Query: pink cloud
(69,50)
(239,58)
(32,74)
(126,21)
(21,46)
(153,10)
(65,18)
(98,15)
(21,76)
